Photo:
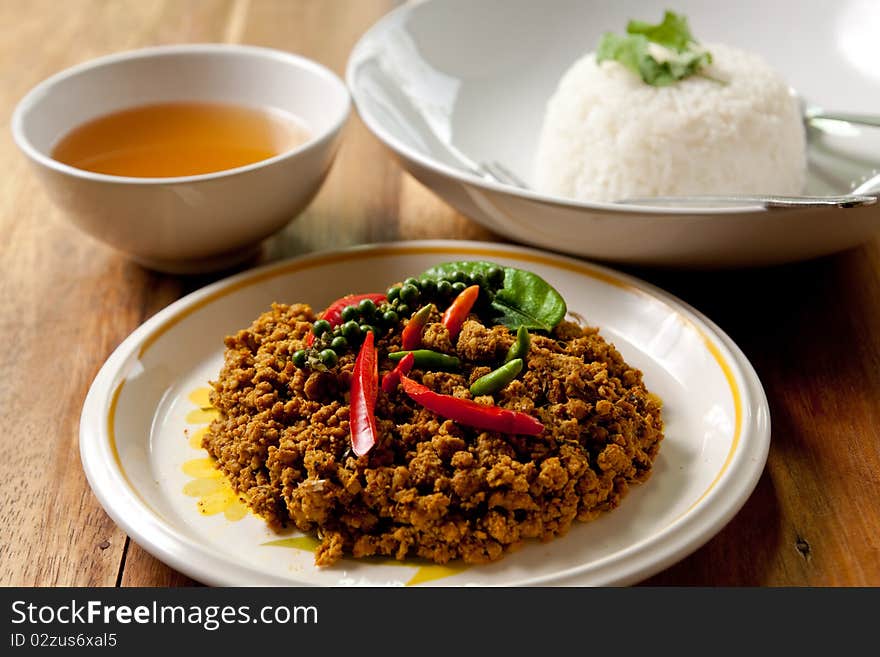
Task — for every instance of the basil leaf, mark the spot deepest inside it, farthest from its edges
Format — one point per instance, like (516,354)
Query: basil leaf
(525,299)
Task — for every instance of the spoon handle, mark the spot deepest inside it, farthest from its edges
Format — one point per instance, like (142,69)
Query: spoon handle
(764,200)
(815,113)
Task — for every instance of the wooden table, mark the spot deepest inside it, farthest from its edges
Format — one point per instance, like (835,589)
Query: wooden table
(811,330)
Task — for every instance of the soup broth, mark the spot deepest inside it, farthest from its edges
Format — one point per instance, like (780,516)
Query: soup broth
(178,139)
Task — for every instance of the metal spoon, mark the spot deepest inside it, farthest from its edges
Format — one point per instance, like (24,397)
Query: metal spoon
(813,114)
(866,193)
(863,195)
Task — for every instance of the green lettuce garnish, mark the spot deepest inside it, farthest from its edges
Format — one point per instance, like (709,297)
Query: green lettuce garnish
(632,50)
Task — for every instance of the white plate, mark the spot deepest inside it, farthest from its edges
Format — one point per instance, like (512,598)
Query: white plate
(476,76)
(139,418)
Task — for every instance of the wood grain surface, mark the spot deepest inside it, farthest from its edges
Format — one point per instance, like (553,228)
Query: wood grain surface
(67,302)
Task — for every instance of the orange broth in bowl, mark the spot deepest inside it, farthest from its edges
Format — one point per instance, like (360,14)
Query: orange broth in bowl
(178,139)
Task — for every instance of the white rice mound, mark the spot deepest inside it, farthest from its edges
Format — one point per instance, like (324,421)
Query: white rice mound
(609,136)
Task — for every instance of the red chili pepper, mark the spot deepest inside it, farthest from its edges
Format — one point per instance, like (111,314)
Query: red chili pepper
(364,390)
(333,312)
(391,380)
(411,337)
(470,413)
(458,311)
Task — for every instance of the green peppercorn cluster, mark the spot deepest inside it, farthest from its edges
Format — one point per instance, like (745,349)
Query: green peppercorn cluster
(416,292)
(357,320)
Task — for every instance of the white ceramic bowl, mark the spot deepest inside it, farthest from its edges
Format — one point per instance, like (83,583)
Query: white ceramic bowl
(476,76)
(189,223)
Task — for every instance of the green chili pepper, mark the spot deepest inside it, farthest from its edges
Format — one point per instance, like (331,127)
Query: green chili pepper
(520,348)
(428,358)
(497,379)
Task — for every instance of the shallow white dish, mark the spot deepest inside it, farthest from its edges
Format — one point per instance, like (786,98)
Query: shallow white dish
(476,76)
(140,419)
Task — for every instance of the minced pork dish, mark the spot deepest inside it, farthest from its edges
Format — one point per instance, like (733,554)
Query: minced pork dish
(449,418)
